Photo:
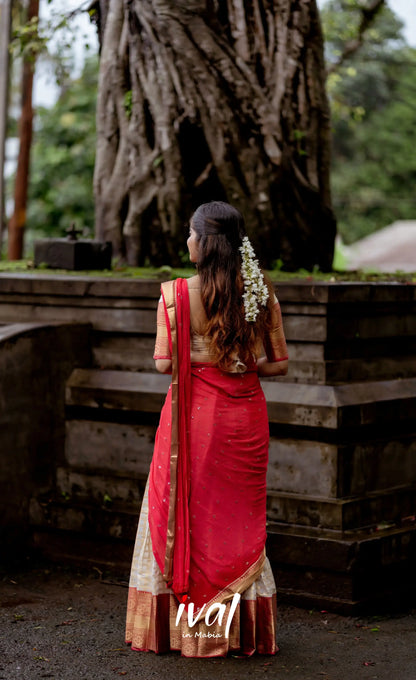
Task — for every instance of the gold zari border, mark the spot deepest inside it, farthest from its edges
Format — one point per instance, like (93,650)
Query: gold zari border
(151,626)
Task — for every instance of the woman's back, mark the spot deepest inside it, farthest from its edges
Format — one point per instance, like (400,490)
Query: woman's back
(197,311)
(199,342)
(200,351)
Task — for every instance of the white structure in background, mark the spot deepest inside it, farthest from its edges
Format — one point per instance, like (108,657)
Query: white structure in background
(45,89)
(388,250)
(12,152)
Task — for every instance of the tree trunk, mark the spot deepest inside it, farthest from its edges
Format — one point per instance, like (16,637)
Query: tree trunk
(5,30)
(214,100)
(18,219)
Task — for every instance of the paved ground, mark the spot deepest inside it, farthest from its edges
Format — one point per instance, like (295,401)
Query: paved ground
(64,624)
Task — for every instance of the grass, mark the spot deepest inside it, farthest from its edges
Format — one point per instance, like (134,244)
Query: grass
(164,273)
(118,271)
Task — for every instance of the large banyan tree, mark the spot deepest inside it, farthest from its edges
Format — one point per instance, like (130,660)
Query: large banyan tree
(205,100)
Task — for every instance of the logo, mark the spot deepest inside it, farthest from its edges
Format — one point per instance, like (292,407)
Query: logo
(216,607)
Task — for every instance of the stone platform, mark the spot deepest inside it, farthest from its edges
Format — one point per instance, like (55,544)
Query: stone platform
(342,473)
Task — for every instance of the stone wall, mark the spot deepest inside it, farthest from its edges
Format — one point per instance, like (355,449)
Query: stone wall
(35,362)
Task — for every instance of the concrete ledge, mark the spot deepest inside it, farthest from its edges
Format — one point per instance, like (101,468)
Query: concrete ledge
(79,286)
(298,291)
(117,390)
(14,331)
(341,407)
(322,406)
(342,514)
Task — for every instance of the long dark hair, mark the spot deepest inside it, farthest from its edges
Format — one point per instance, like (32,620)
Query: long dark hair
(220,229)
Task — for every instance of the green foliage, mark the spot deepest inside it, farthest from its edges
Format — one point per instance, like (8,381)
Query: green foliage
(26,41)
(341,22)
(128,103)
(63,156)
(49,38)
(374,176)
(373,101)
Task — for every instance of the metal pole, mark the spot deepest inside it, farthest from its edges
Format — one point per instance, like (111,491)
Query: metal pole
(5,30)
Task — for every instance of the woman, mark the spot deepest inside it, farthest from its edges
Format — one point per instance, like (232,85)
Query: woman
(200,580)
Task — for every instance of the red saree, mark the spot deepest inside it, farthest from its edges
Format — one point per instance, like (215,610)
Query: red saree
(206,506)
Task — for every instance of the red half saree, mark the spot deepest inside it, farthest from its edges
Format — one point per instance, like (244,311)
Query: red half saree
(202,529)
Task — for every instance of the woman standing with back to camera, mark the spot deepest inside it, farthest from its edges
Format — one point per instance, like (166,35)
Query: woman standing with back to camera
(200,581)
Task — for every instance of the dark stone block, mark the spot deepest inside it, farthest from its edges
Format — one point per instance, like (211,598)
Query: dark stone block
(66,547)
(61,253)
(342,514)
(118,521)
(345,572)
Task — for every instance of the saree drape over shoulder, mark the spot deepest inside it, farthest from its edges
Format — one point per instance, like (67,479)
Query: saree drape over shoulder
(202,528)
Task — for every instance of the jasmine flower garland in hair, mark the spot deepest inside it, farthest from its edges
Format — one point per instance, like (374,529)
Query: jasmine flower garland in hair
(255,290)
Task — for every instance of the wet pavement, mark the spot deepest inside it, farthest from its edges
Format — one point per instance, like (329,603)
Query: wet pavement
(66,624)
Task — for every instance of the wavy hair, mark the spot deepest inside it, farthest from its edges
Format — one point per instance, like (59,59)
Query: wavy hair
(219,229)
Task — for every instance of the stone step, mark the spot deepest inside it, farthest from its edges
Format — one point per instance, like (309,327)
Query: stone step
(310,482)
(314,468)
(118,320)
(345,572)
(101,487)
(108,506)
(82,516)
(116,448)
(103,389)
(339,470)
(341,408)
(367,510)
(123,351)
(332,407)
(361,360)
(348,551)
(134,352)
(120,474)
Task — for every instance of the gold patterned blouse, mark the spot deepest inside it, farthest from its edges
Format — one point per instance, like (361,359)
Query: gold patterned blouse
(273,344)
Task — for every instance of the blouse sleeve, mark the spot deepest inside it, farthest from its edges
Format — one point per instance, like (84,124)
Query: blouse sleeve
(274,340)
(162,349)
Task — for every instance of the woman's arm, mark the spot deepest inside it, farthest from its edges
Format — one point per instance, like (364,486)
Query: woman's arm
(163,365)
(162,353)
(268,368)
(276,360)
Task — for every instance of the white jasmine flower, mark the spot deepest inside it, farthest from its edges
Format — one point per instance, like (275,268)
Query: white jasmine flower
(255,290)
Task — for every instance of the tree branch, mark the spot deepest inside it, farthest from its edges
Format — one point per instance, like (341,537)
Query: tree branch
(368,15)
